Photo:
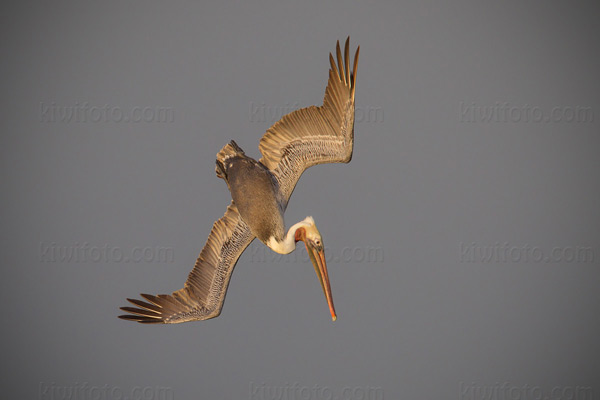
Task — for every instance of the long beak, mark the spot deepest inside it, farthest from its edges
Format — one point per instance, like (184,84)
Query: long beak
(318,260)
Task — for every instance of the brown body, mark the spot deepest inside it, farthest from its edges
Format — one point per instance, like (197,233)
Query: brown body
(255,192)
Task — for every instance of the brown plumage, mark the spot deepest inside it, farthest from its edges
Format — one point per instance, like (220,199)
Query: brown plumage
(301,139)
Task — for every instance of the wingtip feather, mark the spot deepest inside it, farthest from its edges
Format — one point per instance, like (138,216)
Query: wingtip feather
(347,60)
(340,62)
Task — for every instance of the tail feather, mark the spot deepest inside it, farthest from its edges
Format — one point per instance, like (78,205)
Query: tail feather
(231,149)
(220,170)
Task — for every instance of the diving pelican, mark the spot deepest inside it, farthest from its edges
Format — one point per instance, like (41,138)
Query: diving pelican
(260,191)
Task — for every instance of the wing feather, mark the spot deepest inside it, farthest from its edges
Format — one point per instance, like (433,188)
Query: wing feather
(204,291)
(314,135)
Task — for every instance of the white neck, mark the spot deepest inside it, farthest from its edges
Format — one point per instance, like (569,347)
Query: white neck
(288,244)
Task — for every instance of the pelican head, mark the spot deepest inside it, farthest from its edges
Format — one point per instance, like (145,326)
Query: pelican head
(308,233)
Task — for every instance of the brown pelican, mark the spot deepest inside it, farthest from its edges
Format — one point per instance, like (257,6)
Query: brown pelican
(260,191)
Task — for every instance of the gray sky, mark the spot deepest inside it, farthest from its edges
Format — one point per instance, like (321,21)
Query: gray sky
(462,238)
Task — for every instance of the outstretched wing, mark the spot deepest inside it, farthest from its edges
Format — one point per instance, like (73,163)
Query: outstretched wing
(204,291)
(314,135)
